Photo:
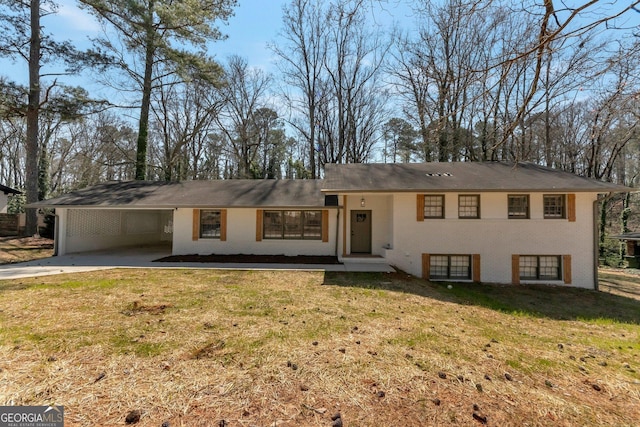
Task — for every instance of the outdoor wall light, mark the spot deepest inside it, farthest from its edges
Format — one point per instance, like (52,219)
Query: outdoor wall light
(362,203)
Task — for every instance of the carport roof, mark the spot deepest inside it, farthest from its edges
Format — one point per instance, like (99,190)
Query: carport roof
(457,176)
(202,194)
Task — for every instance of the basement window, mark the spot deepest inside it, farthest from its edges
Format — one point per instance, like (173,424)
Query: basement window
(453,267)
(540,267)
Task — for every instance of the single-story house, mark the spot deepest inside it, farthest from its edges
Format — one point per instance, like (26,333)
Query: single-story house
(483,222)
(5,192)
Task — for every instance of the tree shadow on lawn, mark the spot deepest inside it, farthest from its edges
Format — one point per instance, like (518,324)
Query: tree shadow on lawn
(554,302)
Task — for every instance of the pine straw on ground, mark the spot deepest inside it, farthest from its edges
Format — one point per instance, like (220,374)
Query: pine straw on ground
(209,348)
(19,249)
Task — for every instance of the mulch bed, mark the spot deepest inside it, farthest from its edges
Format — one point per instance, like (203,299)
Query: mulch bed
(253,259)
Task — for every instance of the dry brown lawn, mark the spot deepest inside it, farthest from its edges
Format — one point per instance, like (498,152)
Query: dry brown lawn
(19,249)
(231,348)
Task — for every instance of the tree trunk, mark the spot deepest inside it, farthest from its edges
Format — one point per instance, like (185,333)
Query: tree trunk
(143,124)
(33,110)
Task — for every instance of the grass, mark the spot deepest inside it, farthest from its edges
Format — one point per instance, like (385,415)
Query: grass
(195,348)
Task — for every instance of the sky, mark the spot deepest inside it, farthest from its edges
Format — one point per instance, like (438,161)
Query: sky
(255,24)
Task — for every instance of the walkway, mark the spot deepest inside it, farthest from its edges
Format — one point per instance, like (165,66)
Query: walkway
(143,258)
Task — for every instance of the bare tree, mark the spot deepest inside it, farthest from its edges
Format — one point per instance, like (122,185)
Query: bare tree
(183,114)
(244,95)
(302,60)
(333,60)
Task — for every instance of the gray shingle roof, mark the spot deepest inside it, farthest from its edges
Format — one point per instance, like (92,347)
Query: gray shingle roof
(397,177)
(216,193)
(460,176)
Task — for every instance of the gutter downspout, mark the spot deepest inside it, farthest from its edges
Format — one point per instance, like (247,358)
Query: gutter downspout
(337,228)
(596,239)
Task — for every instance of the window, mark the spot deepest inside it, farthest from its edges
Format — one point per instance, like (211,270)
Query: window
(434,206)
(553,205)
(292,225)
(518,206)
(450,267)
(210,224)
(538,267)
(469,206)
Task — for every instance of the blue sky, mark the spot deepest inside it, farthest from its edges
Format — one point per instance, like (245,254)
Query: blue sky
(255,24)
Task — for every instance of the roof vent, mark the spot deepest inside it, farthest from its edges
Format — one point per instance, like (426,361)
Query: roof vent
(439,174)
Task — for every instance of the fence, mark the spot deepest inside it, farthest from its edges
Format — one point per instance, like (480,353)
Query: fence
(8,224)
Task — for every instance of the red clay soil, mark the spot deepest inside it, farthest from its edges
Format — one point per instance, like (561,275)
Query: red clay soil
(253,259)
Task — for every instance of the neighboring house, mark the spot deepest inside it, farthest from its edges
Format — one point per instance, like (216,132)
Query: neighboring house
(8,222)
(632,255)
(483,222)
(5,192)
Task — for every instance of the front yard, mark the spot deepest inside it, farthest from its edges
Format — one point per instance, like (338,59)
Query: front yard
(210,348)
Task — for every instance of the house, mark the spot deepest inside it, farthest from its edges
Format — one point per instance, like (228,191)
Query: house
(482,222)
(632,254)
(5,193)
(8,222)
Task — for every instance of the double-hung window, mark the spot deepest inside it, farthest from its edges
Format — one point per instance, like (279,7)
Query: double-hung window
(454,267)
(554,206)
(293,225)
(434,206)
(210,224)
(540,267)
(518,206)
(469,206)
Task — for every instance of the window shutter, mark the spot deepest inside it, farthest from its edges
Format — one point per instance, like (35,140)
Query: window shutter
(571,207)
(223,225)
(420,207)
(476,267)
(515,269)
(325,225)
(426,266)
(258,225)
(566,269)
(196,225)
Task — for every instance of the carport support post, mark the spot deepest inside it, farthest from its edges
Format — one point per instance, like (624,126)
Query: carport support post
(61,231)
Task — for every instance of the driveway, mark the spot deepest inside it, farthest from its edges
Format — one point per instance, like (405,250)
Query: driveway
(143,258)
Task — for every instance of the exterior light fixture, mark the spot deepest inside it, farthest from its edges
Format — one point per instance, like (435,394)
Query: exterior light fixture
(362,203)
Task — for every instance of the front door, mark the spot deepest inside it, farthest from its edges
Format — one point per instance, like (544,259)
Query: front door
(360,232)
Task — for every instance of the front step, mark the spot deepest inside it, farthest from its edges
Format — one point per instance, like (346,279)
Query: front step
(363,259)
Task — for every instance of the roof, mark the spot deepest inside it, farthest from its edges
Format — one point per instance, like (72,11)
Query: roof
(627,236)
(8,190)
(202,194)
(394,177)
(457,176)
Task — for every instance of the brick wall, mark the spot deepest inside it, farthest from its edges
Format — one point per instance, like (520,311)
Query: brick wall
(8,225)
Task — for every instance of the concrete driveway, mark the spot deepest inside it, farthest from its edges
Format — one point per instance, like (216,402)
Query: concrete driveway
(143,258)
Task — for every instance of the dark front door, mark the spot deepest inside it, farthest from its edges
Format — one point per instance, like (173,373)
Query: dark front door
(360,232)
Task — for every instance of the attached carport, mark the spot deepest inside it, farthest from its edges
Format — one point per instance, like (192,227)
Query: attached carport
(114,215)
(90,229)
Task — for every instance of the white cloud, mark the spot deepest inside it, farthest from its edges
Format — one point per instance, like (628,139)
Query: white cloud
(76,19)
